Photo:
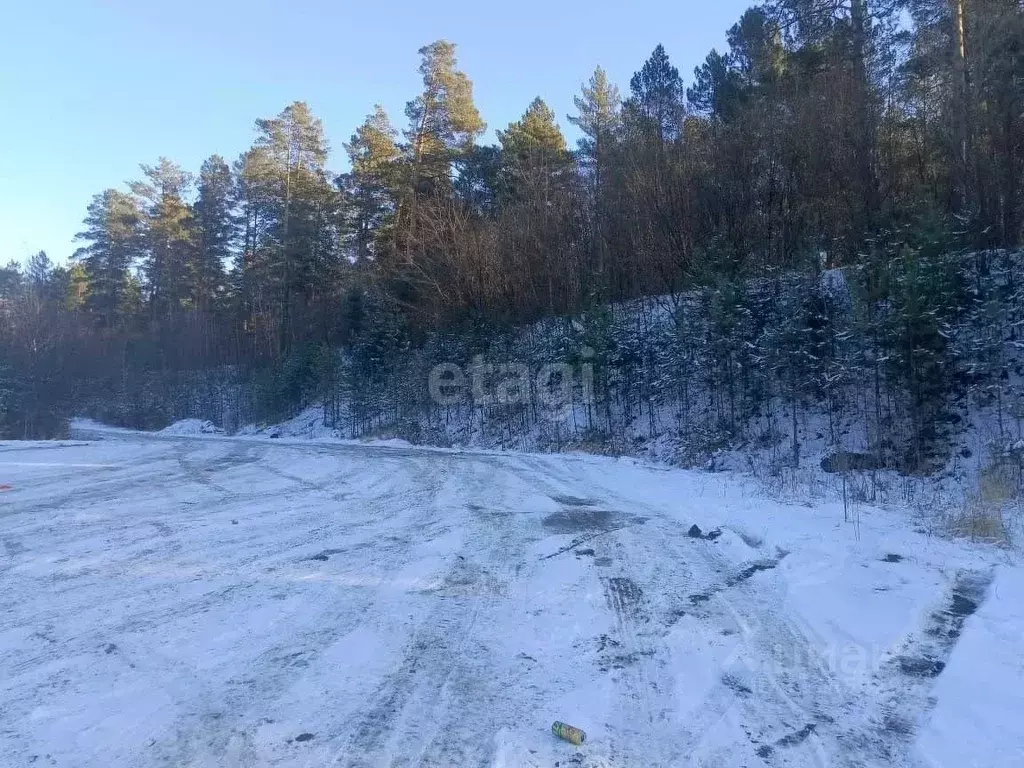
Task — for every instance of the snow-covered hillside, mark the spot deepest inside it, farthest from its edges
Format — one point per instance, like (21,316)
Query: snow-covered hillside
(209,601)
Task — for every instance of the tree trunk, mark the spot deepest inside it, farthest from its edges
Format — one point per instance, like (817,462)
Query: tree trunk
(963,198)
(865,120)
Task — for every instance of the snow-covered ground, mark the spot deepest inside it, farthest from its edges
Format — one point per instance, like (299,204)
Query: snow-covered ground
(178,600)
(187,427)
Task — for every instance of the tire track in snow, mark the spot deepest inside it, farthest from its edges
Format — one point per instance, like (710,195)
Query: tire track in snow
(449,694)
(90,485)
(401,717)
(634,666)
(476,703)
(901,689)
(449,691)
(788,694)
(201,565)
(212,730)
(620,542)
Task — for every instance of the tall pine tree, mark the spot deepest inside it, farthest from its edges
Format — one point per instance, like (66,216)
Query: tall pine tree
(167,236)
(657,98)
(373,183)
(443,120)
(113,233)
(216,228)
(534,158)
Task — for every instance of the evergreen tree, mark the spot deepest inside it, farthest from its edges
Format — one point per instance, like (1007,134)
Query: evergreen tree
(714,87)
(657,98)
(167,236)
(599,121)
(829,129)
(443,120)
(216,231)
(430,229)
(10,280)
(292,215)
(38,268)
(113,232)
(756,52)
(534,157)
(476,180)
(724,83)
(373,183)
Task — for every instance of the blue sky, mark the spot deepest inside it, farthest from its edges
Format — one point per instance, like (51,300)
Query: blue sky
(92,88)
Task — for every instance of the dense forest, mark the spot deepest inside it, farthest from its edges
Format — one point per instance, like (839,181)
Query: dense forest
(823,217)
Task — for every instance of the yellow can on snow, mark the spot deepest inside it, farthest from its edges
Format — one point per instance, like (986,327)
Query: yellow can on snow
(568,732)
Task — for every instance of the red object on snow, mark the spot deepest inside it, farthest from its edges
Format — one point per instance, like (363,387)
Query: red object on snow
(6,487)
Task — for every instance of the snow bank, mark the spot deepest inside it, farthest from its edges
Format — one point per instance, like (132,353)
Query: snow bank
(88,427)
(309,425)
(981,691)
(192,427)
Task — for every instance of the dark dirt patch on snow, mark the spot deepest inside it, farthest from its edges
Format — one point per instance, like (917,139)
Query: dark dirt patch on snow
(750,570)
(735,684)
(579,520)
(789,740)
(624,597)
(572,501)
(797,737)
(623,660)
(921,666)
(926,656)
(735,579)
(324,556)
(905,681)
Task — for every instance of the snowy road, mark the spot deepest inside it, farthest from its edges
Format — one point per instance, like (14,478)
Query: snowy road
(220,602)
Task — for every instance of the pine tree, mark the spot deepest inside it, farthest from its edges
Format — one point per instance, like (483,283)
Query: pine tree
(845,35)
(113,231)
(476,180)
(77,286)
(443,127)
(657,97)
(756,52)
(216,230)
(443,120)
(373,183)
(535,160)
(167,236)
(714,88)
(724,83)
(39,270)
(291,211)
(10,280)
(46,283)
(599,120)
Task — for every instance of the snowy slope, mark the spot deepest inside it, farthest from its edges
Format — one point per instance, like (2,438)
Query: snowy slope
(210,601)
(187,427)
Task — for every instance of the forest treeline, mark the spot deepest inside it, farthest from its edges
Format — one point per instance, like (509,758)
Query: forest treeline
(876,137)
